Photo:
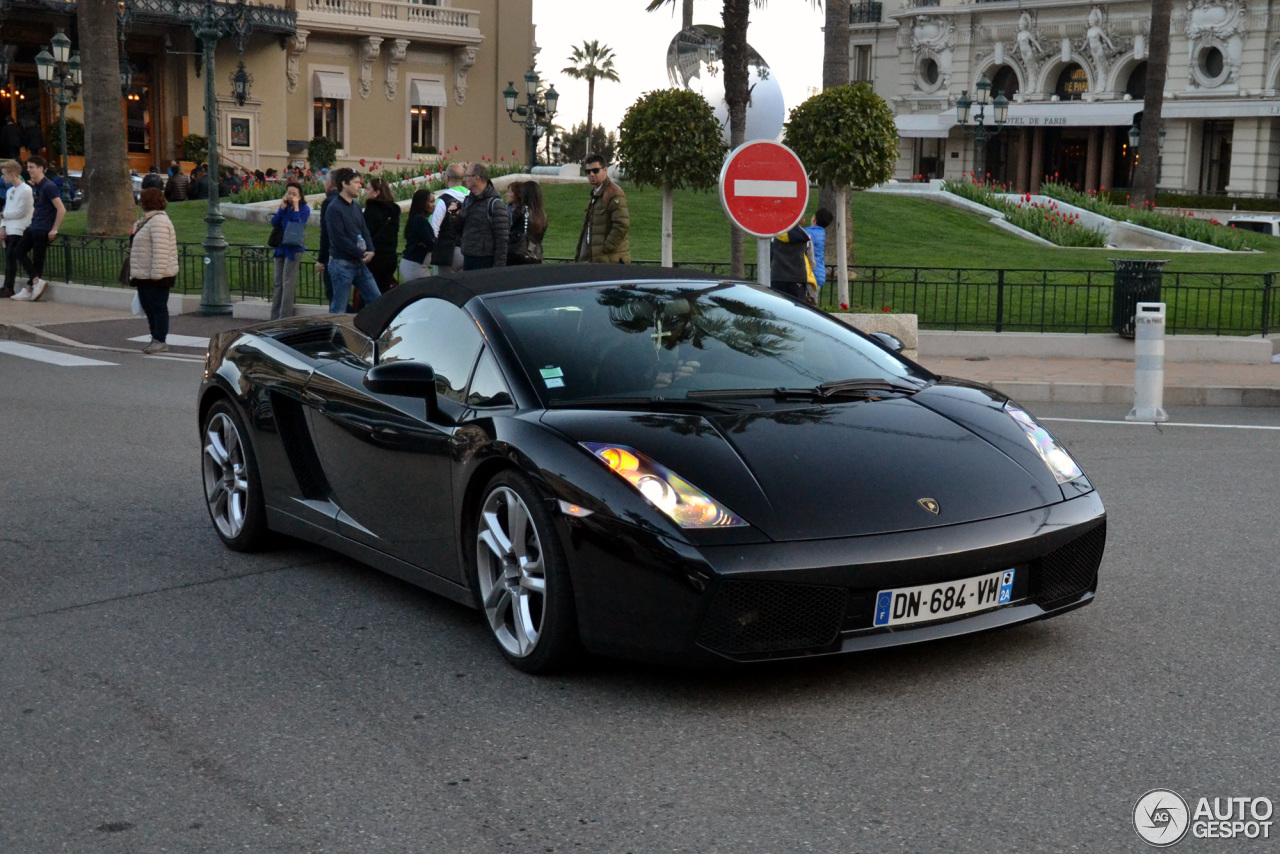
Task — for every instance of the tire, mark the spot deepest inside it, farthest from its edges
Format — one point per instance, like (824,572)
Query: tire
(522,582)
(232,486)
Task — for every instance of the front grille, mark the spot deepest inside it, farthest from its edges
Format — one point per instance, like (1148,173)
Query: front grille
(1068,572)
(769,616)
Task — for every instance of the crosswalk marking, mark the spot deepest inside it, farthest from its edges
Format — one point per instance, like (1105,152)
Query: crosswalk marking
(177,340)
(52,357)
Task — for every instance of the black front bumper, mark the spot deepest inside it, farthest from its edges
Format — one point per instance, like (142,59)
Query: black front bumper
(642,595)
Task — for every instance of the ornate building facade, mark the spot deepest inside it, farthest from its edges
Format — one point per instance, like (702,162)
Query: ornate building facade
(1075,77)
(381,78)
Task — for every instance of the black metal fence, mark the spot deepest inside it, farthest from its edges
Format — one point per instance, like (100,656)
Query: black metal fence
(943,297)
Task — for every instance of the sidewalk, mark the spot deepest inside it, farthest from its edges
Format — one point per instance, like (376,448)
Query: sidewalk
(1031,380)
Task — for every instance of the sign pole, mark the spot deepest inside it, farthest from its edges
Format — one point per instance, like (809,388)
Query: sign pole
(764,190)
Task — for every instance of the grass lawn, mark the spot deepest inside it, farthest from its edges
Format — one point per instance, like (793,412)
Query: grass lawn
(887,231)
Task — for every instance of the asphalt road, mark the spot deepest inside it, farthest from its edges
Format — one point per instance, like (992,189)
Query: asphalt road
(160,693)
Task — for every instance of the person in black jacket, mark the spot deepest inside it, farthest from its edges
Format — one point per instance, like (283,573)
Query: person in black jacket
(199,188)
(382,215)
(528,223)
(10,140)
(790,264)
(419,239)
(153,179)
(322,265)
(485,222)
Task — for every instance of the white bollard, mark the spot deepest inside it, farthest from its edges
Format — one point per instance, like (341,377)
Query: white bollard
(1148,363)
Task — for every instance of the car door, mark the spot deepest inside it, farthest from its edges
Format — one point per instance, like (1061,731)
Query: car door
(390,467)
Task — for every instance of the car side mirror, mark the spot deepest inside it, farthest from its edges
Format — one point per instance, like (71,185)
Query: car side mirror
(407,379)
(892,343)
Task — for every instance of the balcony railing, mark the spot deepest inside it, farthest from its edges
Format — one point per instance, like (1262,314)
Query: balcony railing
(867,12)
(394,10)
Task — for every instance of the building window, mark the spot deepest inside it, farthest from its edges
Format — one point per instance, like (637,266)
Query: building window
(1215,157)
(423,122)
(138,120)
(860,64)
(328,119)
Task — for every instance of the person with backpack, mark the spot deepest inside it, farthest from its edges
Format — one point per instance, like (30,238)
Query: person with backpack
(485,222)
(447,254)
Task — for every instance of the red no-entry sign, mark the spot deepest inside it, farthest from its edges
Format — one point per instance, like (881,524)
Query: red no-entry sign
(764,188)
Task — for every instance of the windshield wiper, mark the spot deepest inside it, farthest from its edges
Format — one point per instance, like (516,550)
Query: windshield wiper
(658,403)
(860,387)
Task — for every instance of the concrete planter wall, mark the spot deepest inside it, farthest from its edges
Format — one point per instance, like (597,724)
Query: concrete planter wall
(906,327)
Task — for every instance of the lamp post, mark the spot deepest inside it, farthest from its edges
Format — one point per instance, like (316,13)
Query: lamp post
(1135,134)
(979,131)
(61,77)
(211,22)
(555,150)
(535,114)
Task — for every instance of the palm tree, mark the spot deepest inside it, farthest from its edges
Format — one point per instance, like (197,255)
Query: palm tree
(1145,176)
(686,10)
(106,162)
(592,61)
(835,72)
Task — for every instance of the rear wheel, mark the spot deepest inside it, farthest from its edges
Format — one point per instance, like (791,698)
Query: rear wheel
(232,489)
(521,577)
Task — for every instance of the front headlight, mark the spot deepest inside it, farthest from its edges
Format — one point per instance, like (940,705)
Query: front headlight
(681,501)
(1054,455)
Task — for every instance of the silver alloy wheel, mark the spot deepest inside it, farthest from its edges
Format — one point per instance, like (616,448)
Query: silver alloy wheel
(511,572)
(226,483)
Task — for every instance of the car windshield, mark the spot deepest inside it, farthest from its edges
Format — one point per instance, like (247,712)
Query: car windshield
(686,340)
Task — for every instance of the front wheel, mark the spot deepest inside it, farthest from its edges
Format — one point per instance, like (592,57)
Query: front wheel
(232,489)
(522,578)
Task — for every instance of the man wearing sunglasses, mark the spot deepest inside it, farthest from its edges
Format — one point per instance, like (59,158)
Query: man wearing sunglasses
(605,227)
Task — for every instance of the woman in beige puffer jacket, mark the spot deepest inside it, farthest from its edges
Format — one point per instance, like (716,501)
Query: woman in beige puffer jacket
(153,265)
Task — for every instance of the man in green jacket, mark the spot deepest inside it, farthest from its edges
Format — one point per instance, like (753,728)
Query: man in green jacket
(605,227)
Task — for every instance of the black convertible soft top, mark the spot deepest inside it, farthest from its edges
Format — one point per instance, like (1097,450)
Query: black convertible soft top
(459,288)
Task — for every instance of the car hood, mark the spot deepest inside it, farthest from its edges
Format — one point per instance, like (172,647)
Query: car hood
(833,470)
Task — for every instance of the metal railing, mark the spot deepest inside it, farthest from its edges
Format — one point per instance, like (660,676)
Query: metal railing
(867,12)
(1059,300)
(954,298)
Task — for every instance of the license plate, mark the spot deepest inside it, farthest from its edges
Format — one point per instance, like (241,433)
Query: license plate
(940,601)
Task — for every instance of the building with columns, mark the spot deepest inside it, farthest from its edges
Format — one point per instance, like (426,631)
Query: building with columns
(380,78)
(1074,74)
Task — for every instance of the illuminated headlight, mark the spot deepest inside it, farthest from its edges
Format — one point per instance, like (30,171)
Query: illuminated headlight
(1054,455)
(681,501)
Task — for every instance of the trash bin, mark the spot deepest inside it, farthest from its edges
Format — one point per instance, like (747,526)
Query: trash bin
(1135,282)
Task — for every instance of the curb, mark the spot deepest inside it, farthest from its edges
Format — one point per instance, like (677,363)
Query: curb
(35,335)
(1115,393)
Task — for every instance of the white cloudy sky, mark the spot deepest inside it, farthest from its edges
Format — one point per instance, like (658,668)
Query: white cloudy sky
(787,33)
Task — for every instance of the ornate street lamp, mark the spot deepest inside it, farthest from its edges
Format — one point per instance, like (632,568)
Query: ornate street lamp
(979,130)
(126,76)
(61,76)
(241,80)
(536,113)
(217,21)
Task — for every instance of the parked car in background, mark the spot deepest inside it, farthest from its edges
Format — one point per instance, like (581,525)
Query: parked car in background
(1268,224)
